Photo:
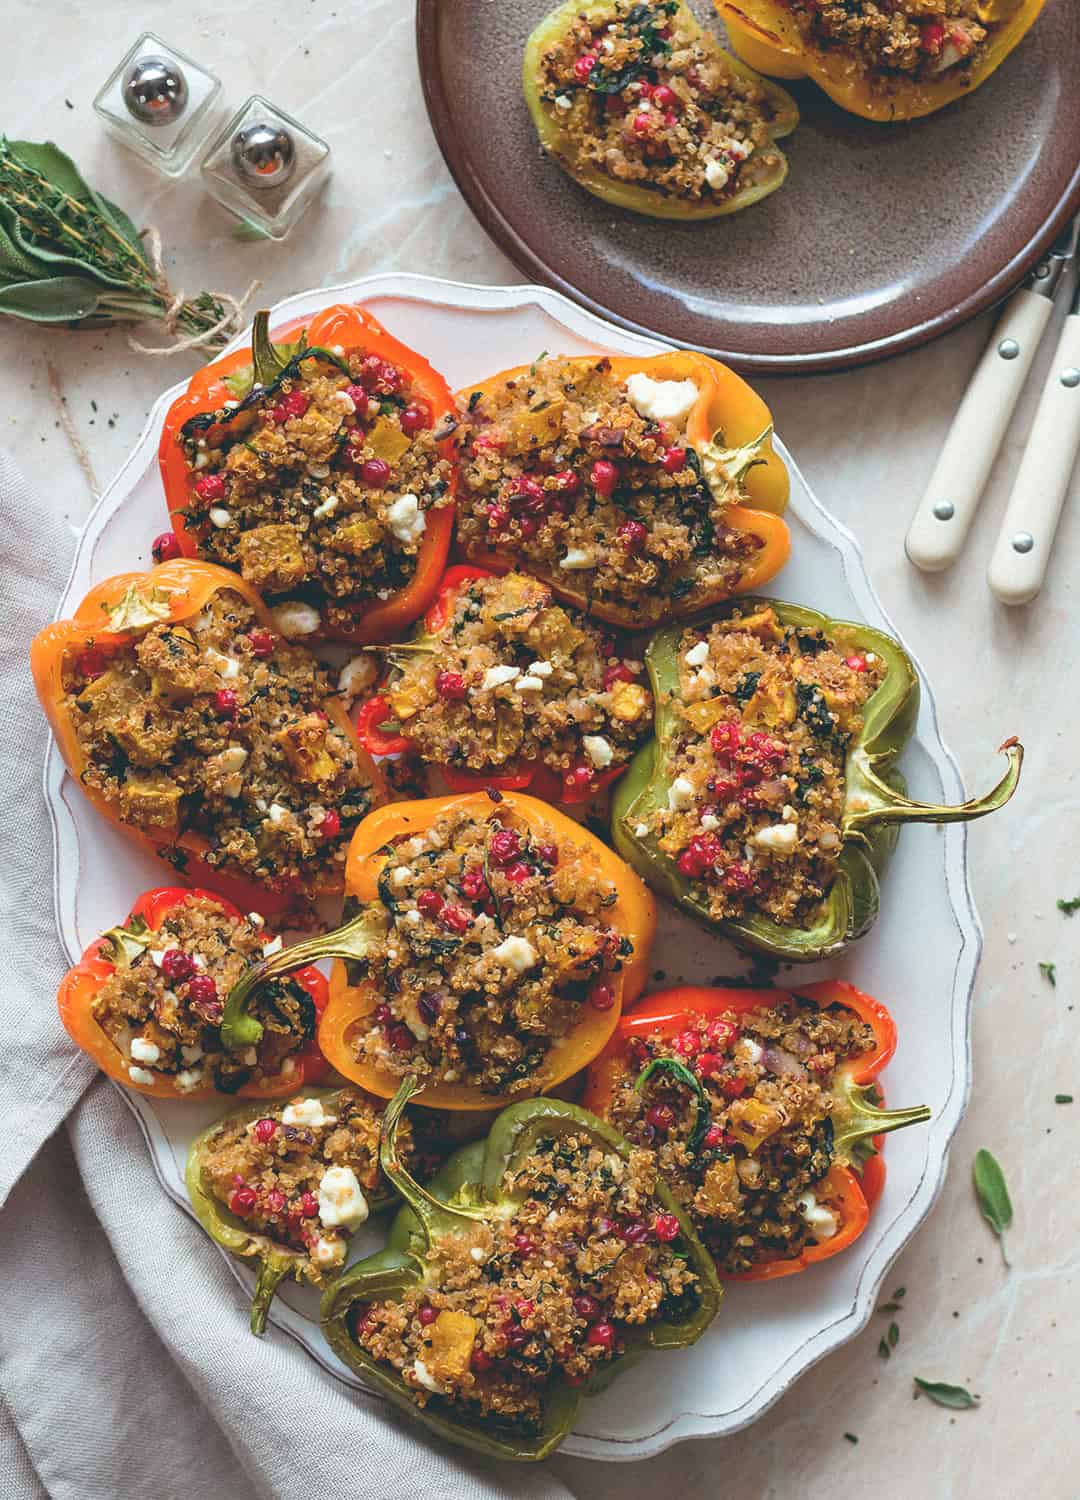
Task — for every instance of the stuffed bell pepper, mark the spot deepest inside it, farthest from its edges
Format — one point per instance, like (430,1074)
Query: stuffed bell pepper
(647,112)
(886,62)
(763,1113)
(506,687)
(488,948)
(320,468)
(532,1267)
(145,1002)
(768,802)
(286,1187)
(638,489)
(192,724)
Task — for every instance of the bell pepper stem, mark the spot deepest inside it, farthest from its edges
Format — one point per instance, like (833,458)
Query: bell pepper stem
(435,1216)
(860,1119)
(352,941)
(726,468)
(266,357)
(272,1271)
(873,802)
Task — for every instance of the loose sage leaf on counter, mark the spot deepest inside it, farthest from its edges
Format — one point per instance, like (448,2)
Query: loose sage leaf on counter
(1068,904)
(943,1394)
(993,1196)
(1049,972)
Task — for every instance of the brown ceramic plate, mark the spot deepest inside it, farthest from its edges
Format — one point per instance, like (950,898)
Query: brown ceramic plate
(882,237)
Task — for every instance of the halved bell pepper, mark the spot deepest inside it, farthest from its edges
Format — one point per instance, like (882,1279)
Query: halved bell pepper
(730,429)
(856,1176)
(250,375)
(581,783)
(638,197)
(633,914)
(470,1187)
(172,591)
(876,804)
(117,948)
(765,35)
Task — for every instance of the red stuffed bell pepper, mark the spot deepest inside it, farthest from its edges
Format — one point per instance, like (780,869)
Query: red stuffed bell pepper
(316,467)
(491,675)
(145,1002)
(763,1108)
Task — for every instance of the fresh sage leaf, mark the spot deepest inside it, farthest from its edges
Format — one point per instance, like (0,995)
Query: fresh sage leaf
(1068,904)
(894,1335)
(1049,972)
(993,1196)
(942,1394)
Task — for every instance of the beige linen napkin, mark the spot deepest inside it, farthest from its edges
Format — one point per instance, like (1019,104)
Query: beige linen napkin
(126,1366)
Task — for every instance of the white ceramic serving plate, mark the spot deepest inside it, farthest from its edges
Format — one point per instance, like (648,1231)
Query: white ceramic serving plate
(920,959)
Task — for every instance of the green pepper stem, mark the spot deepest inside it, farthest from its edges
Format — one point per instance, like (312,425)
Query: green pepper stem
(859,1119)
(726,468)
(872,802)
(267,359)
(271,1273)
(435,1216)
(352,941)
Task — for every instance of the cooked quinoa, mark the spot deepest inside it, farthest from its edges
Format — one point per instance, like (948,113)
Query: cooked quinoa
(750,1180)
(899,40)
(513,677)
(515,1303)
(163,1005)
(305,1172)
(641,95)
(216,726)
(320,485)
(591,479)
(494,943)
(765,714)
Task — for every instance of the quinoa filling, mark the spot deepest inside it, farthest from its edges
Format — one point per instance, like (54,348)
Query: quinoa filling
(592,480)
(765,714)
(494,943)
(163,1005)
(745,1148)
(320,484)
(548,1293)
(216,726)
(640,94)
(894,40)
(513,677)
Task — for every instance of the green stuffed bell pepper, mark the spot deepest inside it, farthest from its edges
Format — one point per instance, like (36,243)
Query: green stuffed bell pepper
(532,1267)
(635,101)
(768,801)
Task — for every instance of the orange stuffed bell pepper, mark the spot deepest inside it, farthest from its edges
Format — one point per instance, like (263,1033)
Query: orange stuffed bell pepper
(489,946)
(763,1108)
(220,747)
(320,466)
(505,719)
(640,490)
(936,53)
(145,1003)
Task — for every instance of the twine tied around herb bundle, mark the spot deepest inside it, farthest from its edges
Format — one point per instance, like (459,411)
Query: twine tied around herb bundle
(221,331)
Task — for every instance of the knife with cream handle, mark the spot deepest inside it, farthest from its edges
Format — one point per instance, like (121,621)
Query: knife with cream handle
(1020,557)
(941,523)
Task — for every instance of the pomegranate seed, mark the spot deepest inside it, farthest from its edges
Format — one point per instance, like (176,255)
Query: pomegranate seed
(454,919)
(673,460)
(666,98)
(601,1336)
(430,903)
(225,703)
(603,476)
(515,1335)
(526,493)
(586,1307)
(210,487)
(265,1129)
(584,65)
(524,1308)
(202,990)
(176,964)
(295,404)
(518,872)
(330,826)
(414,419)
(566,482)
(401,1038)
(309,1206)
(549,853)
(666,1227)
(687,1044)
(473,884)
(738,879)
(725,739)
(380,1015)
(633,536)
(660,1116)
(427,1315)
(242,1201)
(641,124)
(601,997)
(451,686)
(261,643)
(620,672)
(528,527)
(714,1137)
(733,1087)
(375,472)
(523,1245)
(856,663)
(90,663)
(722,1034)
(931,36)
(498,517)
(379,375)
(480,1361)
(634,1233)
(274,1202)
(708,1064)
(505,845)
(165,547)
(358,396)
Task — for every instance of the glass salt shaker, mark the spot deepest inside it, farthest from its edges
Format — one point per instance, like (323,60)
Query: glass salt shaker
(265,167)
(160,103)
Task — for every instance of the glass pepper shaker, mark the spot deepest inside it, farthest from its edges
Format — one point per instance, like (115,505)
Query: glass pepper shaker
(160,103)
(265,167)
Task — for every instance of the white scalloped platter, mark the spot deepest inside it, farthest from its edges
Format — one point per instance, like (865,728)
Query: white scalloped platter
(766,1335)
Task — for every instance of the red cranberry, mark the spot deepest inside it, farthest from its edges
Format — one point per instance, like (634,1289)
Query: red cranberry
(549,853)
(295,404)
(90,663)
(709,1064)
(265,1129)
(261,643)
(455,919)
(528,526)
(714,1136)
(527,493)
(722,1034)
(242,1201)
(738,879)
(427,1315)
(358,396)
(176,964)
(633,536)
(660,1116)
(931,36)
(566,482)
(330,826)
(686,1044)
(401,1038)
(641,124)
(601,997)
(274,1202)
(451,686)
(666,1227)
(584,65)
(165,547)
(505,845)
(202,990)
(210,487)
(414,419)
(375,472)
(380,1015)
(856,663)
(309,1206)
(666,98)
(726,738)
(601,1336)
(473,884)
(673,460)
(498,517)
(379,375)
(430,903)
(586,1307)
(518,872)
(604,476)
(733,1087)
(620,672)
(480,1361)
(225,703)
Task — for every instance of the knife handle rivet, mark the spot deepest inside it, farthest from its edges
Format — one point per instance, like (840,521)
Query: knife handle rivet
(1008,348)
(944,510)
(1070,377)
(1042,270)
(1023,541)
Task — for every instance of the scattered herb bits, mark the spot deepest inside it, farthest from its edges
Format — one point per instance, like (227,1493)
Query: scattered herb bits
(942,1394)
(1063,1098)
(1068,904)
(1049,973)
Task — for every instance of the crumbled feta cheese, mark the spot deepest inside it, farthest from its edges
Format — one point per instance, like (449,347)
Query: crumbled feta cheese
(189,1079)
(518,952)
(495,677)
(710,822)
(407,520)
(225,666)
(156,955)
(256,919)
(748,1048)
(357,675)
(680,794)
(540,669)
(698,655)
(191,1054)
(412,917)
(478,1254)
(577,558)
(788,813)
(328,1252)
(821,1220)
(296,619)
(564,103)
(319,471)
(780,836)
(219,516)
(716,174)
(289,1065)
(140,1075)
(144,1051)
(275,945)
(341,1200)
(327,508)
(232,758)
(598,749)
(306,1112)
(424,1377)
(640,830)
(400,875)
(661,400)
(277,812)
(529,684)
(345,401)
